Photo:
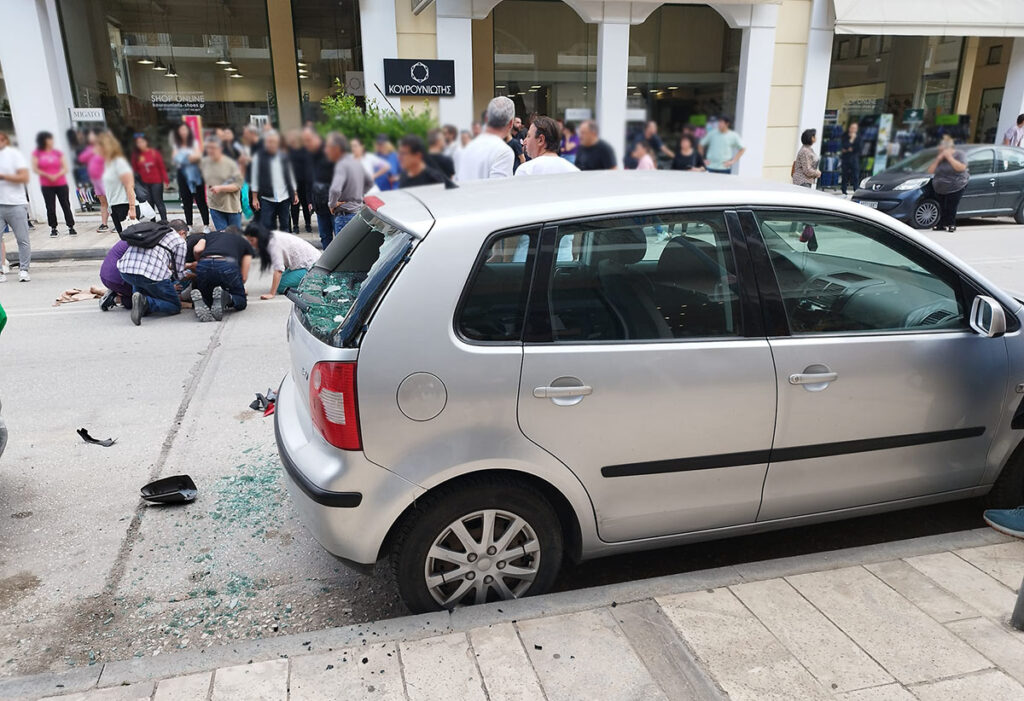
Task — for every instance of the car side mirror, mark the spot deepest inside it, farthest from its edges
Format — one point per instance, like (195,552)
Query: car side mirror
(987,317)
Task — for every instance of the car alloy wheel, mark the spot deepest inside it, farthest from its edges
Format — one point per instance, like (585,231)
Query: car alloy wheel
(486,555)
(926,214)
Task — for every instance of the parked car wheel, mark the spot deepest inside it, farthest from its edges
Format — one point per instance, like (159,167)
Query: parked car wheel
(926,214)
(479,541)
(1018,216)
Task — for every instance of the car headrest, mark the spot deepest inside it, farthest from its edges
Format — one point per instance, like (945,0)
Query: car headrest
(683,260)
(621,246)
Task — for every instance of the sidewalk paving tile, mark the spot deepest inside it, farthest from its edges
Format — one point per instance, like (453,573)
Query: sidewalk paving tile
(132,692)
(746,660)
(260,681)
(1003,646)
(991,684)
(922,591)
(889,692)
(188,688)
(504,665)
(342,674)
(899,636)
(963,579)
(1004,562)
(657,643)
(441,667)
(586,656)
(823,649)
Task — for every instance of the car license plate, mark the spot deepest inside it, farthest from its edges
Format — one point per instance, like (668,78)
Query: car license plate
(868,203)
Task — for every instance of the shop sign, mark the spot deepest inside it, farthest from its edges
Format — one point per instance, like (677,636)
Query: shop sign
(578,114)
(87,114)
(913,116)
(178,102)
(427,77)
(831,116)
(947,120)
(882,145)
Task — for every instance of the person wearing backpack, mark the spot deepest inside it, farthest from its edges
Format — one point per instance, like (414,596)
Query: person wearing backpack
(154,260)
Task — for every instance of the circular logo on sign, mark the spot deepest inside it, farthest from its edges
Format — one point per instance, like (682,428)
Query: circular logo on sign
(419,72)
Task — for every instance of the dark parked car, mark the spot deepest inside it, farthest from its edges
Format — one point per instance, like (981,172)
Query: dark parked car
(904,191)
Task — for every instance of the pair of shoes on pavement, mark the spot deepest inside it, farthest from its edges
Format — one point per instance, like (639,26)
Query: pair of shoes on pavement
(108,301)
(211,313)
(23,276)
(139,307)
(1007,521)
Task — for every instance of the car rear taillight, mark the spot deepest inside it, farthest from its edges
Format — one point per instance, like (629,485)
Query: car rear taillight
(332,404)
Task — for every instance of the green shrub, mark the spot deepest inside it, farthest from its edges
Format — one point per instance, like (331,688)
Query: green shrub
(342,113)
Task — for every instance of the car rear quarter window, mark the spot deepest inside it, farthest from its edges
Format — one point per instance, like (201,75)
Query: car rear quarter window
(494,304)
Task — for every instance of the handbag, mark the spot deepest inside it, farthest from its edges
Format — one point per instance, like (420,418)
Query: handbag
(246,207)
(146,211)
(141,193)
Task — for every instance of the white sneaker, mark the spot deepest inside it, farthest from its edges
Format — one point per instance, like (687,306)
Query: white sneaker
(3,278)
(23,276)
(5,267)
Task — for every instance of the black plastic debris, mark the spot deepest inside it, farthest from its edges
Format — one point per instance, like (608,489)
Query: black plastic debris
(106,443)
(264,402)
(177,489)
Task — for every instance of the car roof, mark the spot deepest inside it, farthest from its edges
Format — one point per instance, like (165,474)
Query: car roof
(508,202)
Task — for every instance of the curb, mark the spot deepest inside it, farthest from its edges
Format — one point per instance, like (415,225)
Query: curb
(50,256)
(124,672)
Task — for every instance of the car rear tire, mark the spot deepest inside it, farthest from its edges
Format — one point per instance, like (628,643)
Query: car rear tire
(478,541)
(1018,216)
(926,214)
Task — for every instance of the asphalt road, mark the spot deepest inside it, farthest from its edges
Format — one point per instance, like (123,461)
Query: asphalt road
(88,573)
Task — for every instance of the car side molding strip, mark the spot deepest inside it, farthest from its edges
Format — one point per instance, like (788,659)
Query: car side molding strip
(803,452)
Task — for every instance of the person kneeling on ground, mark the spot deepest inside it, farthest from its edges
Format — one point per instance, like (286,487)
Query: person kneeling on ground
(118,291)
(222,269)
(289,256)
(151,272)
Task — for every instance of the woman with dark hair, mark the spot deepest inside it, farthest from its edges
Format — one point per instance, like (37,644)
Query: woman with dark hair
(289,256)
(805,167)
(148,164)
(687,156)
(187,154)
(94,167)
(51,167)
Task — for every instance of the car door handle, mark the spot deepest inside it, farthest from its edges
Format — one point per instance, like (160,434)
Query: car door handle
(562,392)
(813,378)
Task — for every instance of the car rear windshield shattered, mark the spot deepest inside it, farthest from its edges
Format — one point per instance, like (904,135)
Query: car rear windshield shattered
(339,292)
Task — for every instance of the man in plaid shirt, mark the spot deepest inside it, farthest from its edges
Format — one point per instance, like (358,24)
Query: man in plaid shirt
(151,272)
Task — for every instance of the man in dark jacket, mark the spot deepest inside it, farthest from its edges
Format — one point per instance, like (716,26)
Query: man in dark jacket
(273,184)
(849,154)
(321,174)
(302,167)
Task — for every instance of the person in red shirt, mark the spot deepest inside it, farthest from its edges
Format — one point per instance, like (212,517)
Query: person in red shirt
(149,166)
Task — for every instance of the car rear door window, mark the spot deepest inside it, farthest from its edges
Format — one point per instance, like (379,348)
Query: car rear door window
(648,277)
(1009,160)
(494,304)
(842,275)
(980,162)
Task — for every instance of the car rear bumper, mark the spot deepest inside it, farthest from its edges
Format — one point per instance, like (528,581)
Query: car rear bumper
(899,205)
(347,502)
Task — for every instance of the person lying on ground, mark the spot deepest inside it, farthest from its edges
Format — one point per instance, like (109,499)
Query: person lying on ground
(289,256)
(221,272)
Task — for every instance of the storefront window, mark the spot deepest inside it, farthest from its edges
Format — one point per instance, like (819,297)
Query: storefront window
(545,58)
(148,63)
(329,49)
(683,69)
(6,121)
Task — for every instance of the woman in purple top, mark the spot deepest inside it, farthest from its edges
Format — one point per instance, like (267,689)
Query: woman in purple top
(112,280)
(570,142)
(52,169)
(94,165)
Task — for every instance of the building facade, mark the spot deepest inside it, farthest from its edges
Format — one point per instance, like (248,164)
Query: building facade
(907,71)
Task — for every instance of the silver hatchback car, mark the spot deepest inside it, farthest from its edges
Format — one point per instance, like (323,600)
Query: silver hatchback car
(488,380)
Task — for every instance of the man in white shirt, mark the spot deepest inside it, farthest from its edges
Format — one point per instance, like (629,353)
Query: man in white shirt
(14,203)
(541,144)
(273,184)
(1014,136)
(488,155)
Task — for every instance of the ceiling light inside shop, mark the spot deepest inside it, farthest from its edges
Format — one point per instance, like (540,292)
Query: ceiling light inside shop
(171,73)
(535,87)
(630,87)
(302,65)
(231,69)
(159,66)
(223,61)
(499,87)
(146,61)
(302,76)
(236,75)
(673,87)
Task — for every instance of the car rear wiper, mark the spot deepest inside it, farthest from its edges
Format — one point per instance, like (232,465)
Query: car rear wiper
(299,300)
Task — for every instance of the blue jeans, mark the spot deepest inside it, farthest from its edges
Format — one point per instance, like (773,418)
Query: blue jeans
(341,219)
(325,225)
(222,220)
(276,215)
(726,171)
(160,294)
(224,274)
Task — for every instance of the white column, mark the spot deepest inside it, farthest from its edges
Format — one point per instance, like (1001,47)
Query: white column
(816,70)
(1013,93)
(379,35)
(757,54)
(612,76)
(455,41)
(34,86)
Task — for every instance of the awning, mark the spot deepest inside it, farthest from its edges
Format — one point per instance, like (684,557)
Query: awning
(984,18)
